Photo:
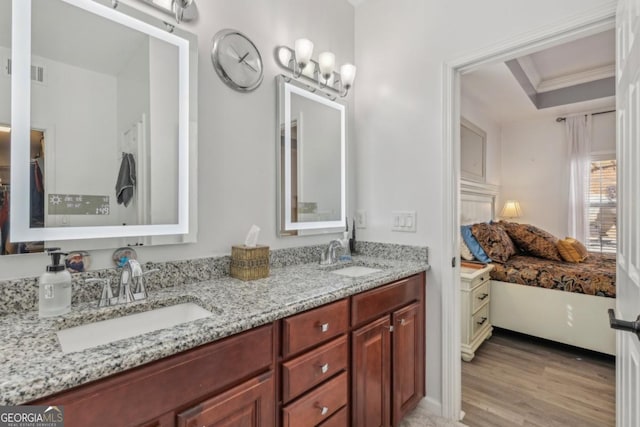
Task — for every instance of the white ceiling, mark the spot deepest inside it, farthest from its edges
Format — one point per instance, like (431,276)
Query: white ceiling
(496,89)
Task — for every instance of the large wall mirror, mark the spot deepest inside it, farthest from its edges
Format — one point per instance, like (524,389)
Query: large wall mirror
(101,123)
(473,151)
(311,149)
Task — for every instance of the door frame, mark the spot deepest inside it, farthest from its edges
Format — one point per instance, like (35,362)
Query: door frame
(581,25)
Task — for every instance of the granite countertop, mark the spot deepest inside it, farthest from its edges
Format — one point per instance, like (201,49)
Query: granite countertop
(33,366)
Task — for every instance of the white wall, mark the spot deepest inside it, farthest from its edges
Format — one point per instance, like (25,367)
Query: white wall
(535,166)
(400,50)
(237,131)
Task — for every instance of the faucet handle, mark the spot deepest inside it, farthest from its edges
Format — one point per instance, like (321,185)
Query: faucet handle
(106,299)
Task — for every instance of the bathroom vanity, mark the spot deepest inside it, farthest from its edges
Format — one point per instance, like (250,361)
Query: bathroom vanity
(343,351)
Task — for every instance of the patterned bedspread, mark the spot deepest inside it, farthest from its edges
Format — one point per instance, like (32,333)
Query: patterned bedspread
(595,276)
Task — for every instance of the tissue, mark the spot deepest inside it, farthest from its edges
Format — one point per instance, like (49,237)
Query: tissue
(252,236)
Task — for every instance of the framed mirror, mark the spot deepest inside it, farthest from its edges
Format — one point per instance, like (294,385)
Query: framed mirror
(473,151)
(111,97)
(311,151)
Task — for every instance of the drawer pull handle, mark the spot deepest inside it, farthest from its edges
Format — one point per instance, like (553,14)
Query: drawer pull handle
(481,322)
(483,296)
(324,368)
(324,327)
(323,409)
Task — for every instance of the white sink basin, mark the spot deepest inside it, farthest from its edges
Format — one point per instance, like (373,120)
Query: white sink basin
(94,334)
(356,271)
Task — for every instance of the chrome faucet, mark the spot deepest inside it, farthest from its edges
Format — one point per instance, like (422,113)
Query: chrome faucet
(328,255)
(131,274)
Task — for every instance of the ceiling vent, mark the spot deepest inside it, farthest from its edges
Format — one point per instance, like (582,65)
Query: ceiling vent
(37,71)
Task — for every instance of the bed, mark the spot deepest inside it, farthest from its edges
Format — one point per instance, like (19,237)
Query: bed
(554,300)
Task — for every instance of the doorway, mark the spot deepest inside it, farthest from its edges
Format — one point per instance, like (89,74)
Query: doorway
(580,27)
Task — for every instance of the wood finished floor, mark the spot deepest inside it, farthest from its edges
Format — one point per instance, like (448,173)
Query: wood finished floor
(516,380)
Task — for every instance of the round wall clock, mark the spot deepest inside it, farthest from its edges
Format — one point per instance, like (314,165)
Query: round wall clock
(236,60)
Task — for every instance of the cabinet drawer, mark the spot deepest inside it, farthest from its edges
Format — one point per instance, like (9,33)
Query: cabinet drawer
(371,304)
(479,320)
(480,296)
(481,278)
(314,327)
(339,419)
(318,405)
(312,368)
(249,404)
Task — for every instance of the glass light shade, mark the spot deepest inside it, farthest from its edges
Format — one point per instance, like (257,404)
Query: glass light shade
(511,209)
(304,49)
(284,56)
(5,129)
(327,63)
(309,69)
(347,75)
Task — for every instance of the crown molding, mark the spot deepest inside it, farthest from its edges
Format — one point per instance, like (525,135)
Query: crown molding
(576,78)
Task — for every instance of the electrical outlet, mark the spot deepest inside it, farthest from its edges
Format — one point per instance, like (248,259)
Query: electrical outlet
(361,219)
(403,221)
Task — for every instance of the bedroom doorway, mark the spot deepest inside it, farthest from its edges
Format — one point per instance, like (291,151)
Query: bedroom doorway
(580,27)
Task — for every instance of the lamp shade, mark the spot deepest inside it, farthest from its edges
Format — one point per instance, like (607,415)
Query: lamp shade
(347,75)
(303,49)
(284,56)
(511,209)
(327,63)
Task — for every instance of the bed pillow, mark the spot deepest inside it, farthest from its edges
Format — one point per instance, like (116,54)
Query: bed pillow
(473,244)
(495,242)
(533,240)
(571,250)
(465,252)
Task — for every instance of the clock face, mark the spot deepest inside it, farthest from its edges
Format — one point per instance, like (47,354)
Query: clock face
(236,60)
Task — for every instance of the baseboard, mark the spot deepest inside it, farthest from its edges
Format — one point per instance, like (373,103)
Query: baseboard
(433,406)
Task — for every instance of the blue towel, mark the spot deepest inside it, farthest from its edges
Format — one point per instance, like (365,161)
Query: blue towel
(473,244)
(126,179)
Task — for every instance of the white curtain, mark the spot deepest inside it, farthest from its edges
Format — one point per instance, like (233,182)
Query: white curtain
(578,133)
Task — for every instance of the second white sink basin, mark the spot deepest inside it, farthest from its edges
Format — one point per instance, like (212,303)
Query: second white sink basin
(94,334)
(356,271)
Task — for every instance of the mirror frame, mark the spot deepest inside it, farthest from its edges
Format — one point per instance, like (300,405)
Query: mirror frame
(285,87)
(21,126)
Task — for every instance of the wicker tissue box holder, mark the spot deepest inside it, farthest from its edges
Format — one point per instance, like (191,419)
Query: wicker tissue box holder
(249,263)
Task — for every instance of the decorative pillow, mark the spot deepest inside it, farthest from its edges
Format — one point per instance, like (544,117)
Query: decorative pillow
(465,252)
(571,250)
(494,241)
(473,244)
(533,240)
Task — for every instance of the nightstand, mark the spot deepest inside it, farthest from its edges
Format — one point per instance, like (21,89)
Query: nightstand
(475,299)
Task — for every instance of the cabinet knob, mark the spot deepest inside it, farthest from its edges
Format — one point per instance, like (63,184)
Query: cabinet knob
(483,296)
(324,368)
(324,327)
(403,322)
(323,409)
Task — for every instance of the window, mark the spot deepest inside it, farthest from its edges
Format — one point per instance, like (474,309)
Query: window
(602,206)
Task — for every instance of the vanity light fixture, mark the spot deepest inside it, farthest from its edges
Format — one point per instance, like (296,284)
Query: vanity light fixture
(322,72)
(5,129)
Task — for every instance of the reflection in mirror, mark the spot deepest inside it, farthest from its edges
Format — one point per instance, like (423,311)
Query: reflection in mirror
(110,96)
(311,156)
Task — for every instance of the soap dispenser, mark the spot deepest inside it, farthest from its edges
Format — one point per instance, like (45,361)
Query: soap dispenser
(54,297)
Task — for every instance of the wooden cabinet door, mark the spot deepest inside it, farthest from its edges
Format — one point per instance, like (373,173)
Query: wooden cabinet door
(408,360)
(250,404)
(371,374)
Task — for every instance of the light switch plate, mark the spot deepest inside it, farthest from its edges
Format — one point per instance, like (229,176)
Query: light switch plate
(403,221)
(361,219)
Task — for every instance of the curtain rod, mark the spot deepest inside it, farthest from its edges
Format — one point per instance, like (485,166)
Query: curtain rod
(562,119)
